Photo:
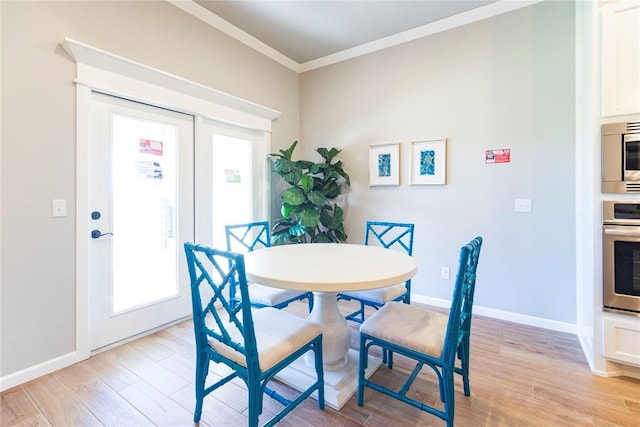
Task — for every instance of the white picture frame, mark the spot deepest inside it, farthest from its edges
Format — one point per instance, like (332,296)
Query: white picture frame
(384,164)
(429,162)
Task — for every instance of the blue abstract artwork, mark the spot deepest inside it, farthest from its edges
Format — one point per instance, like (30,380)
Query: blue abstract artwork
(428,162)
(384,164)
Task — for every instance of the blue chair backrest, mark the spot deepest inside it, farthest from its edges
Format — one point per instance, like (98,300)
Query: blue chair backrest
(462,301)
(211,271)
(392,235)
(247,237)
(470,288)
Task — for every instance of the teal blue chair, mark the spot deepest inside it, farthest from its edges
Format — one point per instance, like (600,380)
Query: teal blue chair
(428,337)
(254,344)
(390,235)
(255,235)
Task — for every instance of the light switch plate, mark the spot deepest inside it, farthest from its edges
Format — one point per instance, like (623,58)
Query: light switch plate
(59,208)
(523,205)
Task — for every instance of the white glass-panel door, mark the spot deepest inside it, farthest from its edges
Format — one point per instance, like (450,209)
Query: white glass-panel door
(233,179)
(141,190)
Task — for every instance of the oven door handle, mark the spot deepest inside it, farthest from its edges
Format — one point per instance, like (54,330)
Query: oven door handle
(622,232)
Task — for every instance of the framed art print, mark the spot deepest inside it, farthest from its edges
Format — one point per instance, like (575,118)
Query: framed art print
(384,164)
(429,162)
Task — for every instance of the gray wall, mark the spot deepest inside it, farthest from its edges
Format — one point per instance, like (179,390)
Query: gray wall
(504,82)
(38,141)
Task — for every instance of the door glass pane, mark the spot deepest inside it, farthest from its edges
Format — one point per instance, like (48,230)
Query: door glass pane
(232,184)
(144,198)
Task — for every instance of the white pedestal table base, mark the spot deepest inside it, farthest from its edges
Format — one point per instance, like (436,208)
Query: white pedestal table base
(339,385)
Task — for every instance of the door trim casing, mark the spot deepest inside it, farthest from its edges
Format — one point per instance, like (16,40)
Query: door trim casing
(140,83)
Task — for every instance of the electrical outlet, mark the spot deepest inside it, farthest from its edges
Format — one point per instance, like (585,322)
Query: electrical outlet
(445,273)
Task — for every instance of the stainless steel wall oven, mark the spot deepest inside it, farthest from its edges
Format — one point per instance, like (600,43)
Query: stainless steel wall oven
(621,256)
(621,157)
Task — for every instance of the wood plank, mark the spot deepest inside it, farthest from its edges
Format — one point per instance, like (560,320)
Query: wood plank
(104,402)
(57,403)
(520,376)
(155,405)
(16,408)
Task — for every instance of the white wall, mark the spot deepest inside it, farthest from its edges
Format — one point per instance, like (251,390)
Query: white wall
(38,141)
(504,82)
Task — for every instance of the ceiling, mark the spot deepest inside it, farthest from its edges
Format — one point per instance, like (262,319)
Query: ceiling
(306,30)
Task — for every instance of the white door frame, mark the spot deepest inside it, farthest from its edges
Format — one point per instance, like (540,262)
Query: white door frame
(136,82)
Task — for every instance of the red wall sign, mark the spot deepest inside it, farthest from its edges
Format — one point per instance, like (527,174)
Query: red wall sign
(502,155)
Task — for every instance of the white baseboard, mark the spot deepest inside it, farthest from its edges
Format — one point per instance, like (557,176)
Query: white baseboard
(44,368)
(503,315)
(63,361)
(620,370)
(39,370)
(586,342)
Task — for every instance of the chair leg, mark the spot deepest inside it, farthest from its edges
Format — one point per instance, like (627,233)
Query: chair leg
(449,396)
(319,373)
(202,367)
(463,355)
(362,363)
(255,404)
(361,312)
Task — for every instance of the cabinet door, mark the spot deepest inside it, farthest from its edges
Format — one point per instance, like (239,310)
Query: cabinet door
(622,339)
(621,58)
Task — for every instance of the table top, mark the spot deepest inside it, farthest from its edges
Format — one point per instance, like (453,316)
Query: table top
(328,267)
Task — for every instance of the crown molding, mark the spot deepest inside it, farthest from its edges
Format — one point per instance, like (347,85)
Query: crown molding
(474,15)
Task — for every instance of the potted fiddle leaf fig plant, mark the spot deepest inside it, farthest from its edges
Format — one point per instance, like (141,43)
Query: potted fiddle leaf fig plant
(310,212)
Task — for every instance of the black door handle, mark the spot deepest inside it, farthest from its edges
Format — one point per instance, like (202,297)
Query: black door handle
(96,234)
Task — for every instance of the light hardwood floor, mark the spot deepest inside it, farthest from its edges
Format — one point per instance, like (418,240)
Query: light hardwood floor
(520,376)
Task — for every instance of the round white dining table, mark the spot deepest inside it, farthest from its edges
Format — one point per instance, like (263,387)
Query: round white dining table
(326,269)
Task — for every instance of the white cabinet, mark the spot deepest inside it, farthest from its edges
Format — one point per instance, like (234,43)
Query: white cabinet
(622,339)
(621,58)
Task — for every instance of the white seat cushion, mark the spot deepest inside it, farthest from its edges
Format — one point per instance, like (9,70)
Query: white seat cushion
(409,326)
(278,334)
(269,296)
(380,295)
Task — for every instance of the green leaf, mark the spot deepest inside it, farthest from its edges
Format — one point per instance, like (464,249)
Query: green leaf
(309,217)
(340,234)
(285,154)
(306,182)
(328,155)
(323,152)
(280,238)
(293,177)
(338,217)
(288,153)
(281,222)
(326,216)
(297,230)
(304,164)
(293,196)
(283,166)
(323,238)
(331,190)
(317,198)
(315,168)
(286,210)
